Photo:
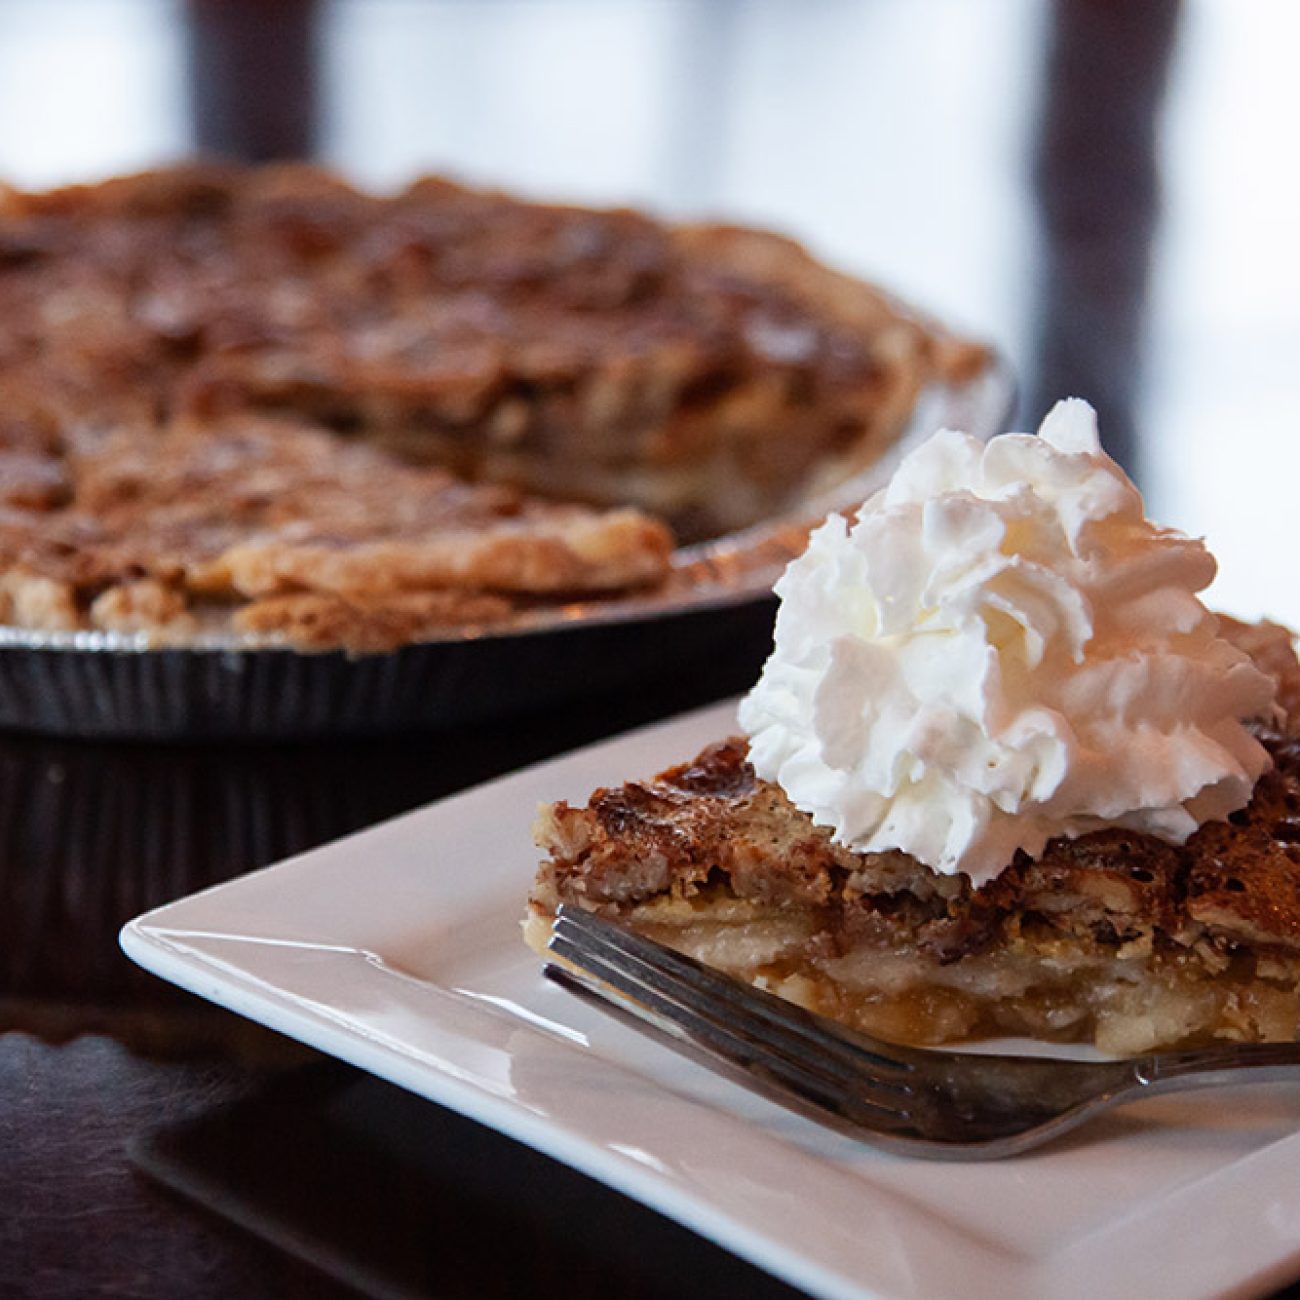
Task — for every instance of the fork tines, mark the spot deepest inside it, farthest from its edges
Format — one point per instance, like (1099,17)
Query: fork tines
(772,1041)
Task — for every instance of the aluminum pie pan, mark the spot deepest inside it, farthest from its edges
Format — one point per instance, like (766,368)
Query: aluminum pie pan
(717,601)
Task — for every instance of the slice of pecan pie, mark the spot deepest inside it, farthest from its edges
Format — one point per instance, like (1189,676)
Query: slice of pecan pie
(1115,937)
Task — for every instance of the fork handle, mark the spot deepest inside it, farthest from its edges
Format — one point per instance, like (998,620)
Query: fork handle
(1208,1066)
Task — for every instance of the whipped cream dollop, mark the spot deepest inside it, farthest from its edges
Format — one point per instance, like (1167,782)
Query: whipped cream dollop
(1003,649)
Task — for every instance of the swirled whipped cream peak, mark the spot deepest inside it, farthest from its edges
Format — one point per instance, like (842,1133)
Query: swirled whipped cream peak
(1000,650)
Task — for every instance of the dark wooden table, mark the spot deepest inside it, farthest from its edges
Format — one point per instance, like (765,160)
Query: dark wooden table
(1108,191)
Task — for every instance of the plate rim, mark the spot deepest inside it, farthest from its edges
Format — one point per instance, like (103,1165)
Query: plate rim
(241,995)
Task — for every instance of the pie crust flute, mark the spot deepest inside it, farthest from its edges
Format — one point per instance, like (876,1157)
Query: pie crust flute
(1115,938)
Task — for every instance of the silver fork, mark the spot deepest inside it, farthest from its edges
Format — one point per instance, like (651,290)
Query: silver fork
(939,1104)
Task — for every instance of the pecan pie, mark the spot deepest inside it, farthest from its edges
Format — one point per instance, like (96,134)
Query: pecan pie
(1115,937)
(263,396)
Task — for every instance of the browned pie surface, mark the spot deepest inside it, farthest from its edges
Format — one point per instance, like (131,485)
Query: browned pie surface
(234,384)
(294,528)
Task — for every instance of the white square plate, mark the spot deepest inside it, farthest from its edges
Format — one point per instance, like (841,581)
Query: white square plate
(398,949)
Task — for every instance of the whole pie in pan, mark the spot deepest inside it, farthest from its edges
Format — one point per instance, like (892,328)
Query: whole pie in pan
(261,399)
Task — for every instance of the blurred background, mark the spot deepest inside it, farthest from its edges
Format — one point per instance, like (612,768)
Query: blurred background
(1107,192)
